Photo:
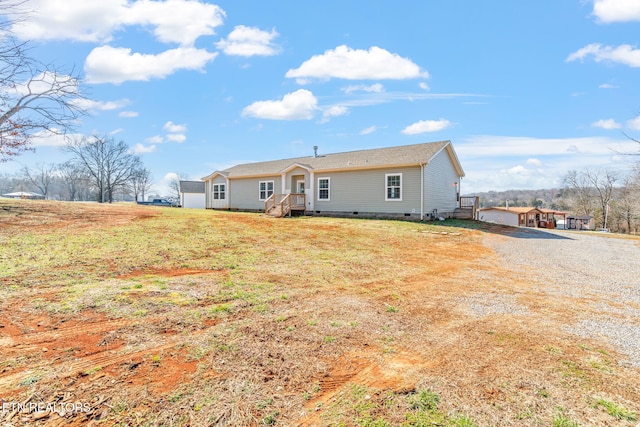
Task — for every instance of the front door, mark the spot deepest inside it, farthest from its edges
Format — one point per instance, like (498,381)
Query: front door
(300,187)
(219,196)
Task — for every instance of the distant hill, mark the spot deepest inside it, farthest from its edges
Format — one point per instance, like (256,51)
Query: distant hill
(548,198)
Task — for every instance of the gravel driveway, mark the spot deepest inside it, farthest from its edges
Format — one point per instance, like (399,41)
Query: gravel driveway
(600,268)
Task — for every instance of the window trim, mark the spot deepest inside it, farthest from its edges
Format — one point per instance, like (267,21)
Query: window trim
(217,192)
(266,190)
(386,187)
(328,179)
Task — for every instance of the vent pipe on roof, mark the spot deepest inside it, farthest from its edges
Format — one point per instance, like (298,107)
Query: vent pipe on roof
(315,151)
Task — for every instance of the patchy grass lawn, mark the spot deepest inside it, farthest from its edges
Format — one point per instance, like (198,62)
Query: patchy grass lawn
(160,316)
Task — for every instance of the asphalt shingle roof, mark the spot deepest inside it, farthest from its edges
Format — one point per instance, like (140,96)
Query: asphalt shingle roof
(379,157)
(192,187)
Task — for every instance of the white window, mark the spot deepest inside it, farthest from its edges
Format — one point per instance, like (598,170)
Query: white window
(219,192)
(265,189)
(393,187)
(324,188)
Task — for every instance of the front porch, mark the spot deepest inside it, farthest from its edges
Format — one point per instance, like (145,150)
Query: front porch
(538,218)
(281,205)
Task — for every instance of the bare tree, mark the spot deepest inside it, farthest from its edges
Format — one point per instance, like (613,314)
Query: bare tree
(591,191)
(109,164)
(628,200)
(40,176)
(140,183)
(579,190)
(74,178)
(624,208)
(602,182)
(36,100)
(174,184)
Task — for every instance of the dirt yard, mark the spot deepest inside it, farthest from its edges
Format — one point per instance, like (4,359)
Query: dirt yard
(127,315)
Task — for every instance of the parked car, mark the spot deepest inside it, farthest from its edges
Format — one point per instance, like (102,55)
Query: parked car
(158,202)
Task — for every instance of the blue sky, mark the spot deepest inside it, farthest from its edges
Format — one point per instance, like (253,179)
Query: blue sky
(525,90)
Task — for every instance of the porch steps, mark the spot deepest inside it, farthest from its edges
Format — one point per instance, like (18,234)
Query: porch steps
(277,211)
(463,213)
(281,205)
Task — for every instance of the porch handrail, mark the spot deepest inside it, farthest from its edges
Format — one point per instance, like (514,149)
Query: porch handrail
(270,202)
(470,202)
(286,203)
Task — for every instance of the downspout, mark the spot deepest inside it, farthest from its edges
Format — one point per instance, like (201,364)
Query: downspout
(421,191)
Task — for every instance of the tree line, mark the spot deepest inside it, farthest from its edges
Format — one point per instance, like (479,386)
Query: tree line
(612,199)
(100,169)
(45,101)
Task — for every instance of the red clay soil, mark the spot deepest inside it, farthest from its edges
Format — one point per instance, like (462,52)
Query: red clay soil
(481,363)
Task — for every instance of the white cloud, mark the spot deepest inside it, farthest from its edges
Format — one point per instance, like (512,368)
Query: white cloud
(298,105)
(634,123)
(333,111)
(177,137)
(129,114)
(174,128)
(424,86)
(624,54)
(172,21)
(534,162)
(47,82)
(501,162)
(249,41)
(142,149)
(606,124)
(374,88)
(369,130)
(107,64)
(496,147)
(356,64)
(79,20)
(156,139)
(89,104)
(424,126)
(607,86)
(51,139)
(608,11)
(170,177)
(176,21)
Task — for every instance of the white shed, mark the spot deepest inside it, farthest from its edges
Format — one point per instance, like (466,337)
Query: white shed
(520,216)
(500,215)
(192,194)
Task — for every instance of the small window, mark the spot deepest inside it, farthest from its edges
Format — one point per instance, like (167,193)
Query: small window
(265,189)
(393,188)
(219,192)
(323,188)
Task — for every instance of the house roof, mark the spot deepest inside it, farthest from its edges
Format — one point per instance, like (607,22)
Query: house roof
(512,209)
(192,187)
(521,209)
(27,194)
(404,155)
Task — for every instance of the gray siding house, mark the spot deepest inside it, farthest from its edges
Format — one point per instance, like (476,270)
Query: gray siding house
(415,181)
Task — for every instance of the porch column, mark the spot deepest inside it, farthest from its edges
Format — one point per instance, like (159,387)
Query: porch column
(310,195)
